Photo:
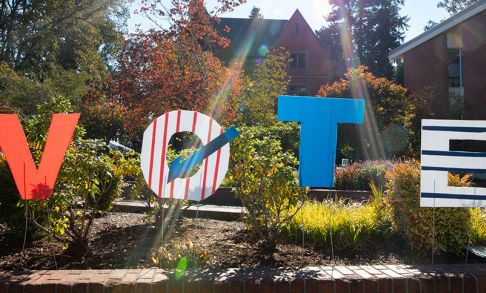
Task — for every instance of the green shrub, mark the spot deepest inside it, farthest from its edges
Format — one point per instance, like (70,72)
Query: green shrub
(265,179)
(478,226)
(90,179)
(351,223)
(12,211)
(181,255)
(286,133)
(360,175)
(416,223)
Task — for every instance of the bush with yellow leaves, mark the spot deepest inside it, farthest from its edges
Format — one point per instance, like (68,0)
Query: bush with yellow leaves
(180,255)
(416,223)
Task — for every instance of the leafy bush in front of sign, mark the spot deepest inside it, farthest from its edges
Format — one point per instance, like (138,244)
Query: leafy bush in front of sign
(478,225)
(90,179)
(180,255)
(265,179)
(11,213)
(402,197)
(360,175)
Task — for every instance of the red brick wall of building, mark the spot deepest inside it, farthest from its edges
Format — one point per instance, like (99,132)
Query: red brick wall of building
(297,36)
(473,33)
(425,66)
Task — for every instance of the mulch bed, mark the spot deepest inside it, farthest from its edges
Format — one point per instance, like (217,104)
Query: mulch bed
(126,240)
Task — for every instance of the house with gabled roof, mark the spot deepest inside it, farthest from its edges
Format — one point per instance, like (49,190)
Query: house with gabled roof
(251,40)
(450,61)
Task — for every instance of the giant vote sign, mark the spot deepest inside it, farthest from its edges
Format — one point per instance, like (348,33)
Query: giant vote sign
(318,117)
(438,160)
(36,182)
(170,181)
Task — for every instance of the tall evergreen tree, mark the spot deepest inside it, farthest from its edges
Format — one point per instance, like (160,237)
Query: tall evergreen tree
(255,13)
(364,32)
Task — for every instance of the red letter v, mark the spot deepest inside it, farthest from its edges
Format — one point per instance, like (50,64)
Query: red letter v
(31,182)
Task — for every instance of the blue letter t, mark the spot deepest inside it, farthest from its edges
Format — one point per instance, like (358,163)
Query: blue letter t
(319,118)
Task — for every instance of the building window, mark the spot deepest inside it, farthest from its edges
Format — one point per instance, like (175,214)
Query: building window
(454,68)
(297,28)
(297,90)
(455,79)
(299,60)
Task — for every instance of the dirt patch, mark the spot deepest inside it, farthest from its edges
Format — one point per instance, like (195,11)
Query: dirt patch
(117,240)
(126,240)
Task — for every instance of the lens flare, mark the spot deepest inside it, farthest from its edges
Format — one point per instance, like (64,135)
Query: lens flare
(370,138)
(181,268)
(263,50)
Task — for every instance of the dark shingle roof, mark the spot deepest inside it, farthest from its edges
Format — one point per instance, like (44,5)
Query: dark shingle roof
(246,32)
(440,28)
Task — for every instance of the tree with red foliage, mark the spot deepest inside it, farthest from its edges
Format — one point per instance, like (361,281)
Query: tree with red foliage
(174,68)
(390,110)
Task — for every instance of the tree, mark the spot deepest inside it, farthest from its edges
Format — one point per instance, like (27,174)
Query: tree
(268,81)
(330,38)
(454,6)
(36,36)
(174,68)
(430,24)
(255,13)
(158,75)
(389,112)
(364,32)
(23,94)
(190,17)
(60,48)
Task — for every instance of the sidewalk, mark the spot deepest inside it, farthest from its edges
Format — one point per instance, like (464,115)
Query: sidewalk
(225,213)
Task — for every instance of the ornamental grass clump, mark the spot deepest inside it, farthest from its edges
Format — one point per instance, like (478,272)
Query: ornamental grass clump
(351,224)
(414,223)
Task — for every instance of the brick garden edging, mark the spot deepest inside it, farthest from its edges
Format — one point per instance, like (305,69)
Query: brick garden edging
(339,279)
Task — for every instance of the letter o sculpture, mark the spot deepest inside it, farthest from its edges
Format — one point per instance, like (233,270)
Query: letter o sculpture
(154,152)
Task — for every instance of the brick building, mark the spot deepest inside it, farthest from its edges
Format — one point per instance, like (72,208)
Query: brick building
(450,59)
(251,39)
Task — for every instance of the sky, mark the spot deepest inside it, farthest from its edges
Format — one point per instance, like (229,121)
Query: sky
(419,11)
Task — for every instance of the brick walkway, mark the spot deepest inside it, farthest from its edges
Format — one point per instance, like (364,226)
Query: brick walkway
(440,278)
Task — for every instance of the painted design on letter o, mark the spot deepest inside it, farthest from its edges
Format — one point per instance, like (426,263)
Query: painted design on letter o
(154,151)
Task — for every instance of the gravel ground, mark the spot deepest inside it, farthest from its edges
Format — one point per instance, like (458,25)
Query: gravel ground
(126,240)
